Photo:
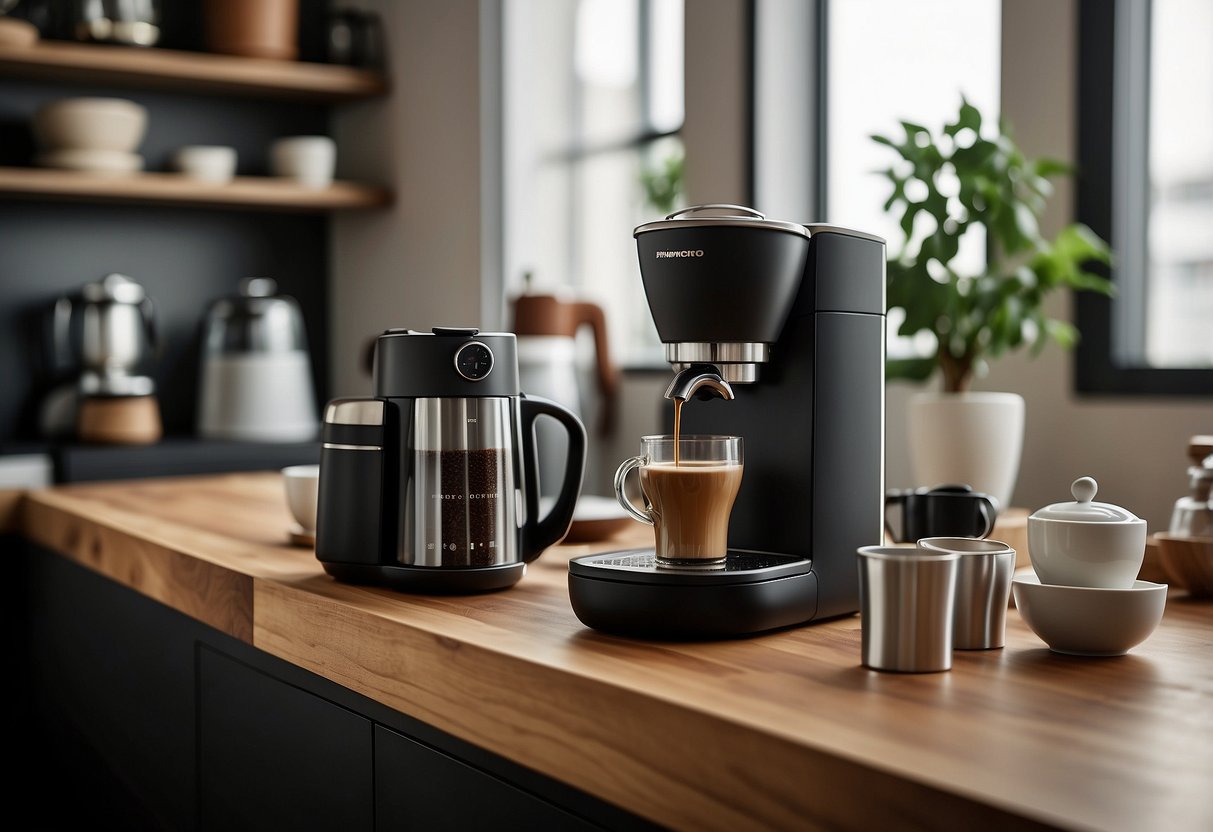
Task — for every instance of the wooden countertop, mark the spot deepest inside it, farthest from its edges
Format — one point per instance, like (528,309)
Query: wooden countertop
(780,731)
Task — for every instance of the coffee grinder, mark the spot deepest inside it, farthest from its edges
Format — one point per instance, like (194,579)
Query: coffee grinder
(106,332)
(788,319)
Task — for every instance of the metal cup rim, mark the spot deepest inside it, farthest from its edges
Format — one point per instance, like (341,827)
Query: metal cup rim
(978,546)
(905,553)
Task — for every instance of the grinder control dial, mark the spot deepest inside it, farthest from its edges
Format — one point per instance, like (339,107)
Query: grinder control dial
(473,361)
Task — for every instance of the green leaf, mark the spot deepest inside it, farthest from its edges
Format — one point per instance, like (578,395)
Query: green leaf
(969,117)
(1063,332)
(1051,167)
(907,219)
(1079,243)
(1090,282)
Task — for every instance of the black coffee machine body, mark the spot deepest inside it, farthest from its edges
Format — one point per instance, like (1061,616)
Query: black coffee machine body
(431,486)
(792,318)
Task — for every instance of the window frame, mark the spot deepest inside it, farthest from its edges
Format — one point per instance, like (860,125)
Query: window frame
(573,156)
(1096,371)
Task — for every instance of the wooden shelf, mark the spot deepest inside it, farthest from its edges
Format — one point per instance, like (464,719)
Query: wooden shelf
(254,193)
(189,71)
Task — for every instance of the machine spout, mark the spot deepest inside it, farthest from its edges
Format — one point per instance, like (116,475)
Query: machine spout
(700,380)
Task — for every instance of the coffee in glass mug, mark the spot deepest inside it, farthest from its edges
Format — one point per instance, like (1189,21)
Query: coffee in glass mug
(689,486)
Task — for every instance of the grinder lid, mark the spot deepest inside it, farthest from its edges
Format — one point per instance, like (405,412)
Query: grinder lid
(725,215)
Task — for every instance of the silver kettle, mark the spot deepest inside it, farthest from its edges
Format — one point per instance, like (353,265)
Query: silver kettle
(256,382)
(108,330)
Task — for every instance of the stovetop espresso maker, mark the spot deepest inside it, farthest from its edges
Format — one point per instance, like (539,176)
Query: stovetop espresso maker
(432,485)
(788,319)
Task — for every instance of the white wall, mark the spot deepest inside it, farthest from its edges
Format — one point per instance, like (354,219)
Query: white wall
(417,264)
(714,131)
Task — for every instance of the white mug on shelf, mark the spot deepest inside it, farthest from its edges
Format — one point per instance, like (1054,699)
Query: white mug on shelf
(309,160)
(206,163)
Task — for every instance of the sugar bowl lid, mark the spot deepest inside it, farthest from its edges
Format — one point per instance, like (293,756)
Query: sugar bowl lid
(1084,509)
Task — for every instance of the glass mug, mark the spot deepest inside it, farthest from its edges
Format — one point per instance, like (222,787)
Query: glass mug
(688,492)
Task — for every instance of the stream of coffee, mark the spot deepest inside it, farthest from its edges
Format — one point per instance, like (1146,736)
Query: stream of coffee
(678,403)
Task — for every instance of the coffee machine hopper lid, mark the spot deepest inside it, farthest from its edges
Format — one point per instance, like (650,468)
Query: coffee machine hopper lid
(721,215)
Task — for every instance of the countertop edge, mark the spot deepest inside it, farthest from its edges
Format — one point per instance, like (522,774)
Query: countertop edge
(219,597)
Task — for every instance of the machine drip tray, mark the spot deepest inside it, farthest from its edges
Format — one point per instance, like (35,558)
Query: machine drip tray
(628,593)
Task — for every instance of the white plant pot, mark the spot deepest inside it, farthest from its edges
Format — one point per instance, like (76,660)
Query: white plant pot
(973,438)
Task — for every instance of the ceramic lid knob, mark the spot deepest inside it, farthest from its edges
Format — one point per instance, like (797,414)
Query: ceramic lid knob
(1084,509)
(1084,489)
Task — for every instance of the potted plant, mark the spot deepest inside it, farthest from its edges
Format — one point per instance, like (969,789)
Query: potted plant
(945,186)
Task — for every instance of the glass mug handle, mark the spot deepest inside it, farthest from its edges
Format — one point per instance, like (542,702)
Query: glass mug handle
(621,475)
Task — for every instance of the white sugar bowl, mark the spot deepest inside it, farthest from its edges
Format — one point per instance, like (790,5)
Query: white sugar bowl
(1085,543)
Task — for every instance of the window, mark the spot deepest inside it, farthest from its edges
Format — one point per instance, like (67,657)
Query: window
(593,100)
(890,61)
(1146,185)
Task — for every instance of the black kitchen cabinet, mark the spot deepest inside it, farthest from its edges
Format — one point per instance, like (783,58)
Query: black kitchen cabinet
(417,787)
(272,756)
(110,692)
(160,722)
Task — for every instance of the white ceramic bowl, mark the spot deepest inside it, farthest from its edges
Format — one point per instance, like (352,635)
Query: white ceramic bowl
(302,490)
(1085,543)
(92,161)
(206,163)
(16,33)
(309,160)
(1089,621)
(90,124)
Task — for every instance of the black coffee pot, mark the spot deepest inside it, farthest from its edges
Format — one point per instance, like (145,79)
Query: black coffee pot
(432,484)
(942,511)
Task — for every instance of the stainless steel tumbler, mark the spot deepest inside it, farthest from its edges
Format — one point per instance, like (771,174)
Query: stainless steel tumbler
(983,589)
(906,598)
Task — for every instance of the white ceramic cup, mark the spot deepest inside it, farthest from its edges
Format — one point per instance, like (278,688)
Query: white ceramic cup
(206,163)
(309,160)
(302,490)
(1087,554)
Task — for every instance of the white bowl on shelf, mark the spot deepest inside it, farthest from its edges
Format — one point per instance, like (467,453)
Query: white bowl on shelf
(90,124)
(1089,621)
(206,163)
(16,33)
(308,160)
(113,162)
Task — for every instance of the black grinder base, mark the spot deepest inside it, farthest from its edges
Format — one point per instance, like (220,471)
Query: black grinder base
(628,593)
(429,580)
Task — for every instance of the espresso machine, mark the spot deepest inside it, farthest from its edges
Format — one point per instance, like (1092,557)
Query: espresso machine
(776,330)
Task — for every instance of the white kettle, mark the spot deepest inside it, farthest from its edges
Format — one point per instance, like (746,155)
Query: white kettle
(547,327)
(256,374)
